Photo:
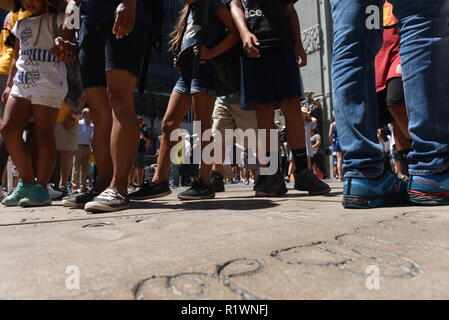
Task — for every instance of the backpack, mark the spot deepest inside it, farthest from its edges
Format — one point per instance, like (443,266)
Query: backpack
(74,82)
(226,65)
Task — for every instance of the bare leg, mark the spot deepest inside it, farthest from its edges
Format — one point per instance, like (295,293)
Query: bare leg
(16,116)
(66,165)
(177,108)
(265,121)
(294,121)
(101,114)
(400,116)
(203,105)
(44,122)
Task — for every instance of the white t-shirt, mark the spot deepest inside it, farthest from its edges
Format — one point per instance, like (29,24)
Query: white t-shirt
(38,72)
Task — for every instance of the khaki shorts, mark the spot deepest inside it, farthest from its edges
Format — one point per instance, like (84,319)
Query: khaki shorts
(231,116)
(66,140)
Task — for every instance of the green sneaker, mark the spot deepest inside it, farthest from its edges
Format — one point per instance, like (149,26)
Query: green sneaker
(21,191)
(37,197)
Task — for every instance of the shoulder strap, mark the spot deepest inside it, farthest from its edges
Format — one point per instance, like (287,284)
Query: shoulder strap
(55,27)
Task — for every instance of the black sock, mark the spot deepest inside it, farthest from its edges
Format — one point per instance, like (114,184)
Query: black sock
(300,158)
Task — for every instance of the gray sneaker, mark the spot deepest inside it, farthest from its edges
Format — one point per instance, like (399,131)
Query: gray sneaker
(109,200)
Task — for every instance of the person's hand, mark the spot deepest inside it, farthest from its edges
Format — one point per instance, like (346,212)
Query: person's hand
(206,53)
(301,56)
(64,51)
(70,121)
(250,45)
(5,95)
(125,18)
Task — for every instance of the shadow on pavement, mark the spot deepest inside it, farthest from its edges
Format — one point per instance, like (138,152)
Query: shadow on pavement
(240,205)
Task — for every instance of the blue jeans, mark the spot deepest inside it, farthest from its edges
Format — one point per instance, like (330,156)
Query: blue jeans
(425,65)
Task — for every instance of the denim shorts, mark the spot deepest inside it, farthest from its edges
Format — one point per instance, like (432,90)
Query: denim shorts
(272,78)
(100,51)
(202,80)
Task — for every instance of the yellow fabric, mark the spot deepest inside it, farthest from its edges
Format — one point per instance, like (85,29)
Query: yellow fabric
(91,158)
(7,53)
(63,113)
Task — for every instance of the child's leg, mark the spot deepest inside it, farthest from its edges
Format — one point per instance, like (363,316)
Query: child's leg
(265,121)
(296,132)
(101,112)
(203,106)
(44,122)
(16,116)
(177,108)
(294,122)
(125,132)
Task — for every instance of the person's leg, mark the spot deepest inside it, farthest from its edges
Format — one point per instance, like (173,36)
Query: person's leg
(125,133)
(355,47)
(178,106)
(101,113)
(340,165)
(66,165)
(294,121)
(44,121)
(203,105)
(84,166)
(424,47)
(16,115)
(76,170)
(265,121)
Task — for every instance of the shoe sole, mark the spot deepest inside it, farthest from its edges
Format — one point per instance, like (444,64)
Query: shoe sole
(278,193)
(212,196)
(429,199)
(69,204)
(94,207)
(318,193)
(10,205)
(35,204)
(355,202)
(160,195)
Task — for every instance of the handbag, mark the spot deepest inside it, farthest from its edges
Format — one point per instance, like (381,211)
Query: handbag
(74,82)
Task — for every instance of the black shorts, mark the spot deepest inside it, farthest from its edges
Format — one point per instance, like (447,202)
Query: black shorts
(392,95)
(100,51)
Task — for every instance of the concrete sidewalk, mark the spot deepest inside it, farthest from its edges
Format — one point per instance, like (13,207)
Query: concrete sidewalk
(233,247)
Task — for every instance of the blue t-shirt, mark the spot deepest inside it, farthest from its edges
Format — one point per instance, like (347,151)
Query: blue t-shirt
(101,11)
(196,34)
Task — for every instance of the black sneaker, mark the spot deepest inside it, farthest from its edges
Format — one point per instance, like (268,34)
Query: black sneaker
(307,181)
(259,183)
(150,190)
(109,200)
(199,190)
(78,200)
(271,186)
(217,181)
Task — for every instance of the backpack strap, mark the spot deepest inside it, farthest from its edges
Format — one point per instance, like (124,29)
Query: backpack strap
(55,28)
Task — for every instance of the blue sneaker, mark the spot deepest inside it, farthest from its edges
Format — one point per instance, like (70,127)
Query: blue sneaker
(365,193)
(37,197)
(21,191)
(429,190)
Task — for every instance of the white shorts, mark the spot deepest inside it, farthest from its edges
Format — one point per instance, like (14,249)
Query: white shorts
(48,101)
